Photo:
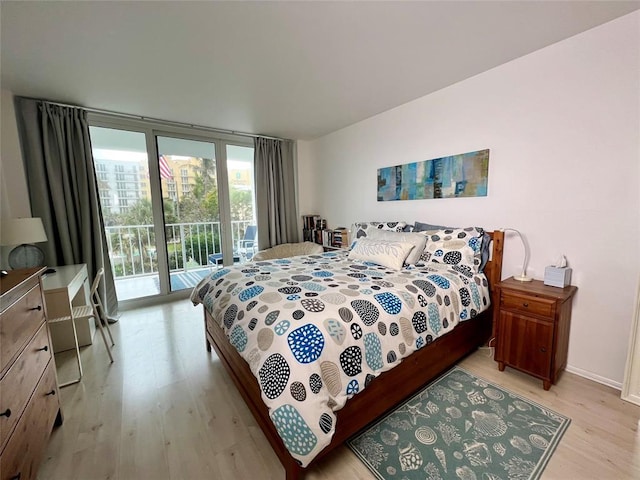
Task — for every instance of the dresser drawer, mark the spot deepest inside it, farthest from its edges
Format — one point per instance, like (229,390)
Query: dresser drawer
(18,384)
(527,304)
(18,324)
(27,445)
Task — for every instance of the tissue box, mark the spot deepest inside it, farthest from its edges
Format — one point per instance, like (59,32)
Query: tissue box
(557,277)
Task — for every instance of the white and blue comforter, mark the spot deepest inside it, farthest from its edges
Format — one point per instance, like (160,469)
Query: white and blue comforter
(317,329)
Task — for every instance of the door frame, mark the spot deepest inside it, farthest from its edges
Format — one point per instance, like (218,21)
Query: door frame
(631,382)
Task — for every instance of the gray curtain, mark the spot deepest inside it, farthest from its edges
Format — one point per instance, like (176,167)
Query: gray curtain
(275,192)
(63,189)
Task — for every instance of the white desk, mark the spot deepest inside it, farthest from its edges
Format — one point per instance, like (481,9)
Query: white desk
(68,287)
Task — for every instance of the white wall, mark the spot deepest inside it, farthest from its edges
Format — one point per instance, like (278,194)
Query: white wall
(563,126)
(14,196)
(307,178)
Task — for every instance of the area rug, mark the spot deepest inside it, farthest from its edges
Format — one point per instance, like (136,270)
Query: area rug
(462,427)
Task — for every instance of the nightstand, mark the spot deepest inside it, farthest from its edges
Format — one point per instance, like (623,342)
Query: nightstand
(532,328)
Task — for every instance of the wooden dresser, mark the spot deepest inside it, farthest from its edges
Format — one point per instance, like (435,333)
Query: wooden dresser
(533,322)
(29,400)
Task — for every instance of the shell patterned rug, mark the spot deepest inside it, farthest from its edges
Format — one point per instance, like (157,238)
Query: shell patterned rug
(462,427)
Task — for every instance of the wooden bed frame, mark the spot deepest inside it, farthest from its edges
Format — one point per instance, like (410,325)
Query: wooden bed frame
(385,391)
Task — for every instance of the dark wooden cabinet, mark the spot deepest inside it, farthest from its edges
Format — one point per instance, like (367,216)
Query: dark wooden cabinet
(533,322)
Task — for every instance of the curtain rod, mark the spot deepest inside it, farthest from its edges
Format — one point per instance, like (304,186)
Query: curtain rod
(157,120)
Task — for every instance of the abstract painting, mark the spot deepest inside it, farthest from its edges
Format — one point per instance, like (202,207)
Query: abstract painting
(463,175)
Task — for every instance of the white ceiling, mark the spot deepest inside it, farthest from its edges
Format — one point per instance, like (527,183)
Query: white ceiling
(295,70)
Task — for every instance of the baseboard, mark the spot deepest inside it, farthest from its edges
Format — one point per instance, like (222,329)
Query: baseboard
(596,378)
(632,398)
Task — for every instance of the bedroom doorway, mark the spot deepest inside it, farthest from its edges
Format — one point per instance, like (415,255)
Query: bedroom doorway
(176,206)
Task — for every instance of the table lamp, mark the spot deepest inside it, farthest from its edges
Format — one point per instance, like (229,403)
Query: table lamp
(523,276)
(24,232)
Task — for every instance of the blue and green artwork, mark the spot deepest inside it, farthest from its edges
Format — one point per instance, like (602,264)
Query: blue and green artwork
(463,175)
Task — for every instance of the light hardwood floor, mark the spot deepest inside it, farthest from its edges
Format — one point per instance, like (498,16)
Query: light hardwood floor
(166,409)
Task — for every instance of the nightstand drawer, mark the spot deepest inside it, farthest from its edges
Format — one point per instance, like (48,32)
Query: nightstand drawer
(528,304)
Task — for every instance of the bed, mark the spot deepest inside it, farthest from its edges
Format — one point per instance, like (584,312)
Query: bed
(233,296)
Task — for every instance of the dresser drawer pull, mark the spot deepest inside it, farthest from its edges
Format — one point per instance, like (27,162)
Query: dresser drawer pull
(39,307)
(16,477)
(52,392)
(525,305)
(43,349)
(6,413)
(543,349)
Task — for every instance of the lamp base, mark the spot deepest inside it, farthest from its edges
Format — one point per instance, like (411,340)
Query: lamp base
(26,256)
(522,278)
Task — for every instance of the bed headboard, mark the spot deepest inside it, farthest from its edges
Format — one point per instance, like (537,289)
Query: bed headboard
(493,269)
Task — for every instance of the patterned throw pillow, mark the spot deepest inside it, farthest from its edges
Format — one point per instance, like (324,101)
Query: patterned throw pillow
(360,229)
(388,254)
(485,248)
(458,247)
(418,240)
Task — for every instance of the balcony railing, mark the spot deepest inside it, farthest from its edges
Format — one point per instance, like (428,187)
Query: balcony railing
(132,248)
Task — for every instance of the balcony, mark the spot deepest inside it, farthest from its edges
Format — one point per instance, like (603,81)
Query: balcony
(134,259)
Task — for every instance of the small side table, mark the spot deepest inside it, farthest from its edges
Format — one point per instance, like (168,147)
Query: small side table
(533,321)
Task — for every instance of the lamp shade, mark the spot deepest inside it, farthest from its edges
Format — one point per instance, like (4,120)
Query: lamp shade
(18,231)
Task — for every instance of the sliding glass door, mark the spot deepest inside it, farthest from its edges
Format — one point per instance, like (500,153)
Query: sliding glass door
(191,214)
(176,206)
(242,201)
(122,171)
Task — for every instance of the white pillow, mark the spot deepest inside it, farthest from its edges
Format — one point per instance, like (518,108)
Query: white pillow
(416,239)
(388,254)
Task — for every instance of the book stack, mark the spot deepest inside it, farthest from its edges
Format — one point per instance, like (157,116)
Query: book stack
(314,229)
(327,238)
(311,225)
(340,238)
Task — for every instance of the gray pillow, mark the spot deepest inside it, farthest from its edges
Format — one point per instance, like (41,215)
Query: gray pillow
(485,250)
(421,227)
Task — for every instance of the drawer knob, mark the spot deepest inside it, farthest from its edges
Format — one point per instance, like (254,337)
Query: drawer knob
(39,307)
(43,349)
(543,349)
(525,305)
(6,413)
(52,392)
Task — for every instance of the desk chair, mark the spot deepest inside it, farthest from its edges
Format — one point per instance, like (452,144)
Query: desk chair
(95,310)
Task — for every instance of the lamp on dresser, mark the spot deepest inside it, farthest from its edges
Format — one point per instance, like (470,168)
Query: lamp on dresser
(523,275)
(24,232)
